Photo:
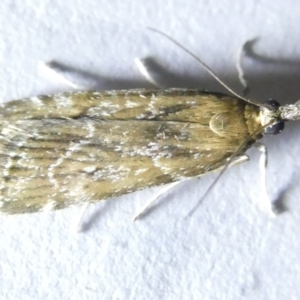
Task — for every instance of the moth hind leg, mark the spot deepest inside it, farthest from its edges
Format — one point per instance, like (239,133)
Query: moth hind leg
(72,77)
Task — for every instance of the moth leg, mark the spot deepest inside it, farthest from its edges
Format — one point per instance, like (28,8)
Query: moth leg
(239,67)
(263,163)
(162,191)
(78,222)
(73,77)
(143,66)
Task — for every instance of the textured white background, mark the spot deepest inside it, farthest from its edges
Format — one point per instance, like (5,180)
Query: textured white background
(228,249)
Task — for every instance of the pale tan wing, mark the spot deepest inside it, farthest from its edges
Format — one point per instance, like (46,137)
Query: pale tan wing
(90,146)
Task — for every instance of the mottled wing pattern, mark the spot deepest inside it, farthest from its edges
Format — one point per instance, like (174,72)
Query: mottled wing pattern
(61,150)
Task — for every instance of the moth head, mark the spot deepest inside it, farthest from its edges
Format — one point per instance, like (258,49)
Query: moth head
(277,127)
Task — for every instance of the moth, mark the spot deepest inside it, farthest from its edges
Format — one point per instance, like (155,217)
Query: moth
(72,148)
(86,146)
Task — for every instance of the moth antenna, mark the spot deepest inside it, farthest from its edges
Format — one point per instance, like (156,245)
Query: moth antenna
(230,159)
(203,64)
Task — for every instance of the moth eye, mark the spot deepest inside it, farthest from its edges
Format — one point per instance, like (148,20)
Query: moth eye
(273,103)
(275,129)
(278,127)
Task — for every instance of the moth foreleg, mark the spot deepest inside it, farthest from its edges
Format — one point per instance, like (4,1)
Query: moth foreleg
(263,163)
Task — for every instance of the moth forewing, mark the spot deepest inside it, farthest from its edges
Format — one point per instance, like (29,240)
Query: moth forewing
(80,147)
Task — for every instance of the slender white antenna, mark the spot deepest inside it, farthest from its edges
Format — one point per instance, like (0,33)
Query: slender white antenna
(204,65)
(233,155)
